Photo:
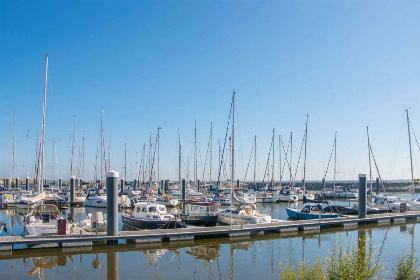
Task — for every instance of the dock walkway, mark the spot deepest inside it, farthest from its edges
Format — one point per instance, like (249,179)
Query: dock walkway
(184,234)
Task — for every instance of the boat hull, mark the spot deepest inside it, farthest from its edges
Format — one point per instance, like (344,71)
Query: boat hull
(41,229)
(297,215)
(149,224)
(237,219)
(207,221)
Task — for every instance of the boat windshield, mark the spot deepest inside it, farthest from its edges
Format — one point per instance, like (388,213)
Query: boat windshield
(152,209)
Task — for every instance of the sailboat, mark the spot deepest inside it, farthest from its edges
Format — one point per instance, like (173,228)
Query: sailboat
(413,204)
(242,213)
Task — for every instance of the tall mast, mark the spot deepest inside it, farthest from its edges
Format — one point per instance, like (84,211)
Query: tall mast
(232,176)
(72,147)
(13,149)
(55,161)
(304,161)
(232,153)
(280,159)
(291,151)
(195,155)
(411,155)
(83,156)
(158,150)
(125,159)
(102,144)
(150,163)
(143,159)
(41,150)
(335,157)
(179,157)
(370,162)
(272,171)
(211,147)
(255,159)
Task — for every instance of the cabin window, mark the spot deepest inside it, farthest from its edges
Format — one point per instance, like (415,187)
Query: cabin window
(138,210)
(161,208)
(152,209)
(143,210)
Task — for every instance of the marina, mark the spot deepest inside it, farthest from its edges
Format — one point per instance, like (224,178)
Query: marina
(209,140)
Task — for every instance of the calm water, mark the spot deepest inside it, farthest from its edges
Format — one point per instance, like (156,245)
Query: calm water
(254,258)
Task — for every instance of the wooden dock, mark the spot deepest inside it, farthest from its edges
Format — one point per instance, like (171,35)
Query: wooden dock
(7,243)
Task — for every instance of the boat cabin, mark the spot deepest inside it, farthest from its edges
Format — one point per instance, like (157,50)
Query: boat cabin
(381,200)
(311,208)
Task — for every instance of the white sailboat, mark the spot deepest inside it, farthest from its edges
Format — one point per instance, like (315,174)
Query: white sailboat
(43,220)
(413,204)
(244,213)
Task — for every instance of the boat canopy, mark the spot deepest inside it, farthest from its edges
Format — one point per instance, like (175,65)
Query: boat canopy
(46,208)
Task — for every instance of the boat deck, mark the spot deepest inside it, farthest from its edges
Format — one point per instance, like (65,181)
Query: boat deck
(80,238)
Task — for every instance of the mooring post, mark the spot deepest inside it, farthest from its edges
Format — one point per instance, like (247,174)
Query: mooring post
(99,183)
(81,183)
(237,184)
(183,193)
(122,186)
(112,205)
(166,186)
(60,183)
(17,182)
(362,196)
(377,185)
(27,183)
(135,184)
(8,184)
(198,186)
(72,188)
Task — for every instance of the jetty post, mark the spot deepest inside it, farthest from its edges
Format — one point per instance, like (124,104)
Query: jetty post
(99,183)
(112,205)
(60,183)
(183,191)
(121,186)
(237,184)
(377,185)
(166,186)
(362,196)
(135,185)
(17,182)
(27,183)
(8,186)
(72,188)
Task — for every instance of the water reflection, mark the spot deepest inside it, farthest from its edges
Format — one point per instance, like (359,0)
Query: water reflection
(256,257)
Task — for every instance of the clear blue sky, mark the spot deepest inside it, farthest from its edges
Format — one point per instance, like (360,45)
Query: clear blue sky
(347,64)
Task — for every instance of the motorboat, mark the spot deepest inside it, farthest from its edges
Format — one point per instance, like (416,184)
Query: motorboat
(93,199)
(199,213)
(95,222)
(266,197)
(43,220)
(167,200)
(27,201)
(148,215)
(311,211)
(246,198)
(223,199)
(243,214)
(386,202)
